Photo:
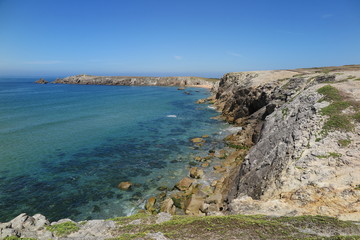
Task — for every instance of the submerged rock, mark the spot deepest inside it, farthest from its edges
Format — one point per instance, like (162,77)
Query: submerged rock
(197,140)
(125,185)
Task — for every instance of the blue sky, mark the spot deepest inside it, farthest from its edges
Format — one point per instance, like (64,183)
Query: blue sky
(173,37)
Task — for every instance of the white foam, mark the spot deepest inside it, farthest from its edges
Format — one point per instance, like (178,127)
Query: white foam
(211,107)
(171,116)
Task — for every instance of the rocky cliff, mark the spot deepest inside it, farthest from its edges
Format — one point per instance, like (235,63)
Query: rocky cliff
(303,126)
(139,81)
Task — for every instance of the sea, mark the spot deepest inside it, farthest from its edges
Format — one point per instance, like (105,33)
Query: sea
(65,148)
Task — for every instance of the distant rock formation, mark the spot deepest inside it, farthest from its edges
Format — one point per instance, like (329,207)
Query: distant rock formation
(41,81)
(139,81)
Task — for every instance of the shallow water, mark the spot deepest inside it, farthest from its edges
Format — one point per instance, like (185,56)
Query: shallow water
(64,148)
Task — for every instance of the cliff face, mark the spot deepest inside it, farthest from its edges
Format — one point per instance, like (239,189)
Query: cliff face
(139,81)
(295,167)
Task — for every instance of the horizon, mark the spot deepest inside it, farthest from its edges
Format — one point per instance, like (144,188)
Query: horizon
(43,38)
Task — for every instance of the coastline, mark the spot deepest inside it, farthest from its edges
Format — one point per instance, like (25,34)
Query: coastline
(283,158)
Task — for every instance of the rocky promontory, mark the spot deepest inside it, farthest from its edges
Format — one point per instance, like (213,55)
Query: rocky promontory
(302,127)
(138,81)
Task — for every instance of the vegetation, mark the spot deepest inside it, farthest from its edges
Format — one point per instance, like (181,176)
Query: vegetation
(344,142)
(330,154)
(231,145)
(63,229)
(284,112)
(338,102)
(237,227)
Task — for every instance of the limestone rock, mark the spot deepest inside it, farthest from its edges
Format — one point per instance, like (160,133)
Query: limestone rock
(41,81)
(163,217)
(125,185)
(195,205)
(184,184)
(196,172)
(168,206)
(150,204)
(197,140)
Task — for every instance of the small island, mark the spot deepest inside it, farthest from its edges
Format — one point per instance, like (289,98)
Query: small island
(41,81)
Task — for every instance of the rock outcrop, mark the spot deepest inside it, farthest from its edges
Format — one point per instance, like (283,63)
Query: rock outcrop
(41,81)
(293,168)
(139,81)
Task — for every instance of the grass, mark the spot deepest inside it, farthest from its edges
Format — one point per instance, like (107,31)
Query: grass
(330,154)
(238,146)
(284,112)
(344,142)
(63,229)
(330,93)
(237,227)
(338,102)
(356,116)
(357,79)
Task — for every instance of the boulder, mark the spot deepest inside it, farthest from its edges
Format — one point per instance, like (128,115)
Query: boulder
(125,185)
(205,164)
(201,101)
(219,168)
(196,172)
(195,205)
(197,140)
(168,206)
(184,184)
(150,204)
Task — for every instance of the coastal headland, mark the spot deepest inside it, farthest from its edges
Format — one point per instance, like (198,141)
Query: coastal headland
(138,81)
(291,168)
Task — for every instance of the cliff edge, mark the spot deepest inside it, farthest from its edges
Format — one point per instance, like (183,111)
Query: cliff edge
(303,129)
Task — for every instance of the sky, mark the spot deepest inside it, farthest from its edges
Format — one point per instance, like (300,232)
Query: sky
(205,38)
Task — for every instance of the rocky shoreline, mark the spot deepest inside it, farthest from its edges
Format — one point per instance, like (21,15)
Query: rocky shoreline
(138,81)
(296,153)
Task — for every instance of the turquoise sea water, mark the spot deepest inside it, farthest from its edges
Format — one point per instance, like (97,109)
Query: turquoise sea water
(64,148)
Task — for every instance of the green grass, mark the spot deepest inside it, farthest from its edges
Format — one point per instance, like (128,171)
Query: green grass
(330,93)
(344,142)
(337,120)
(334,154)
(284,112)
(238,146)
(356,116)
(236,227)
(357,79)
(335,108)
(63,229)
(330,154)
